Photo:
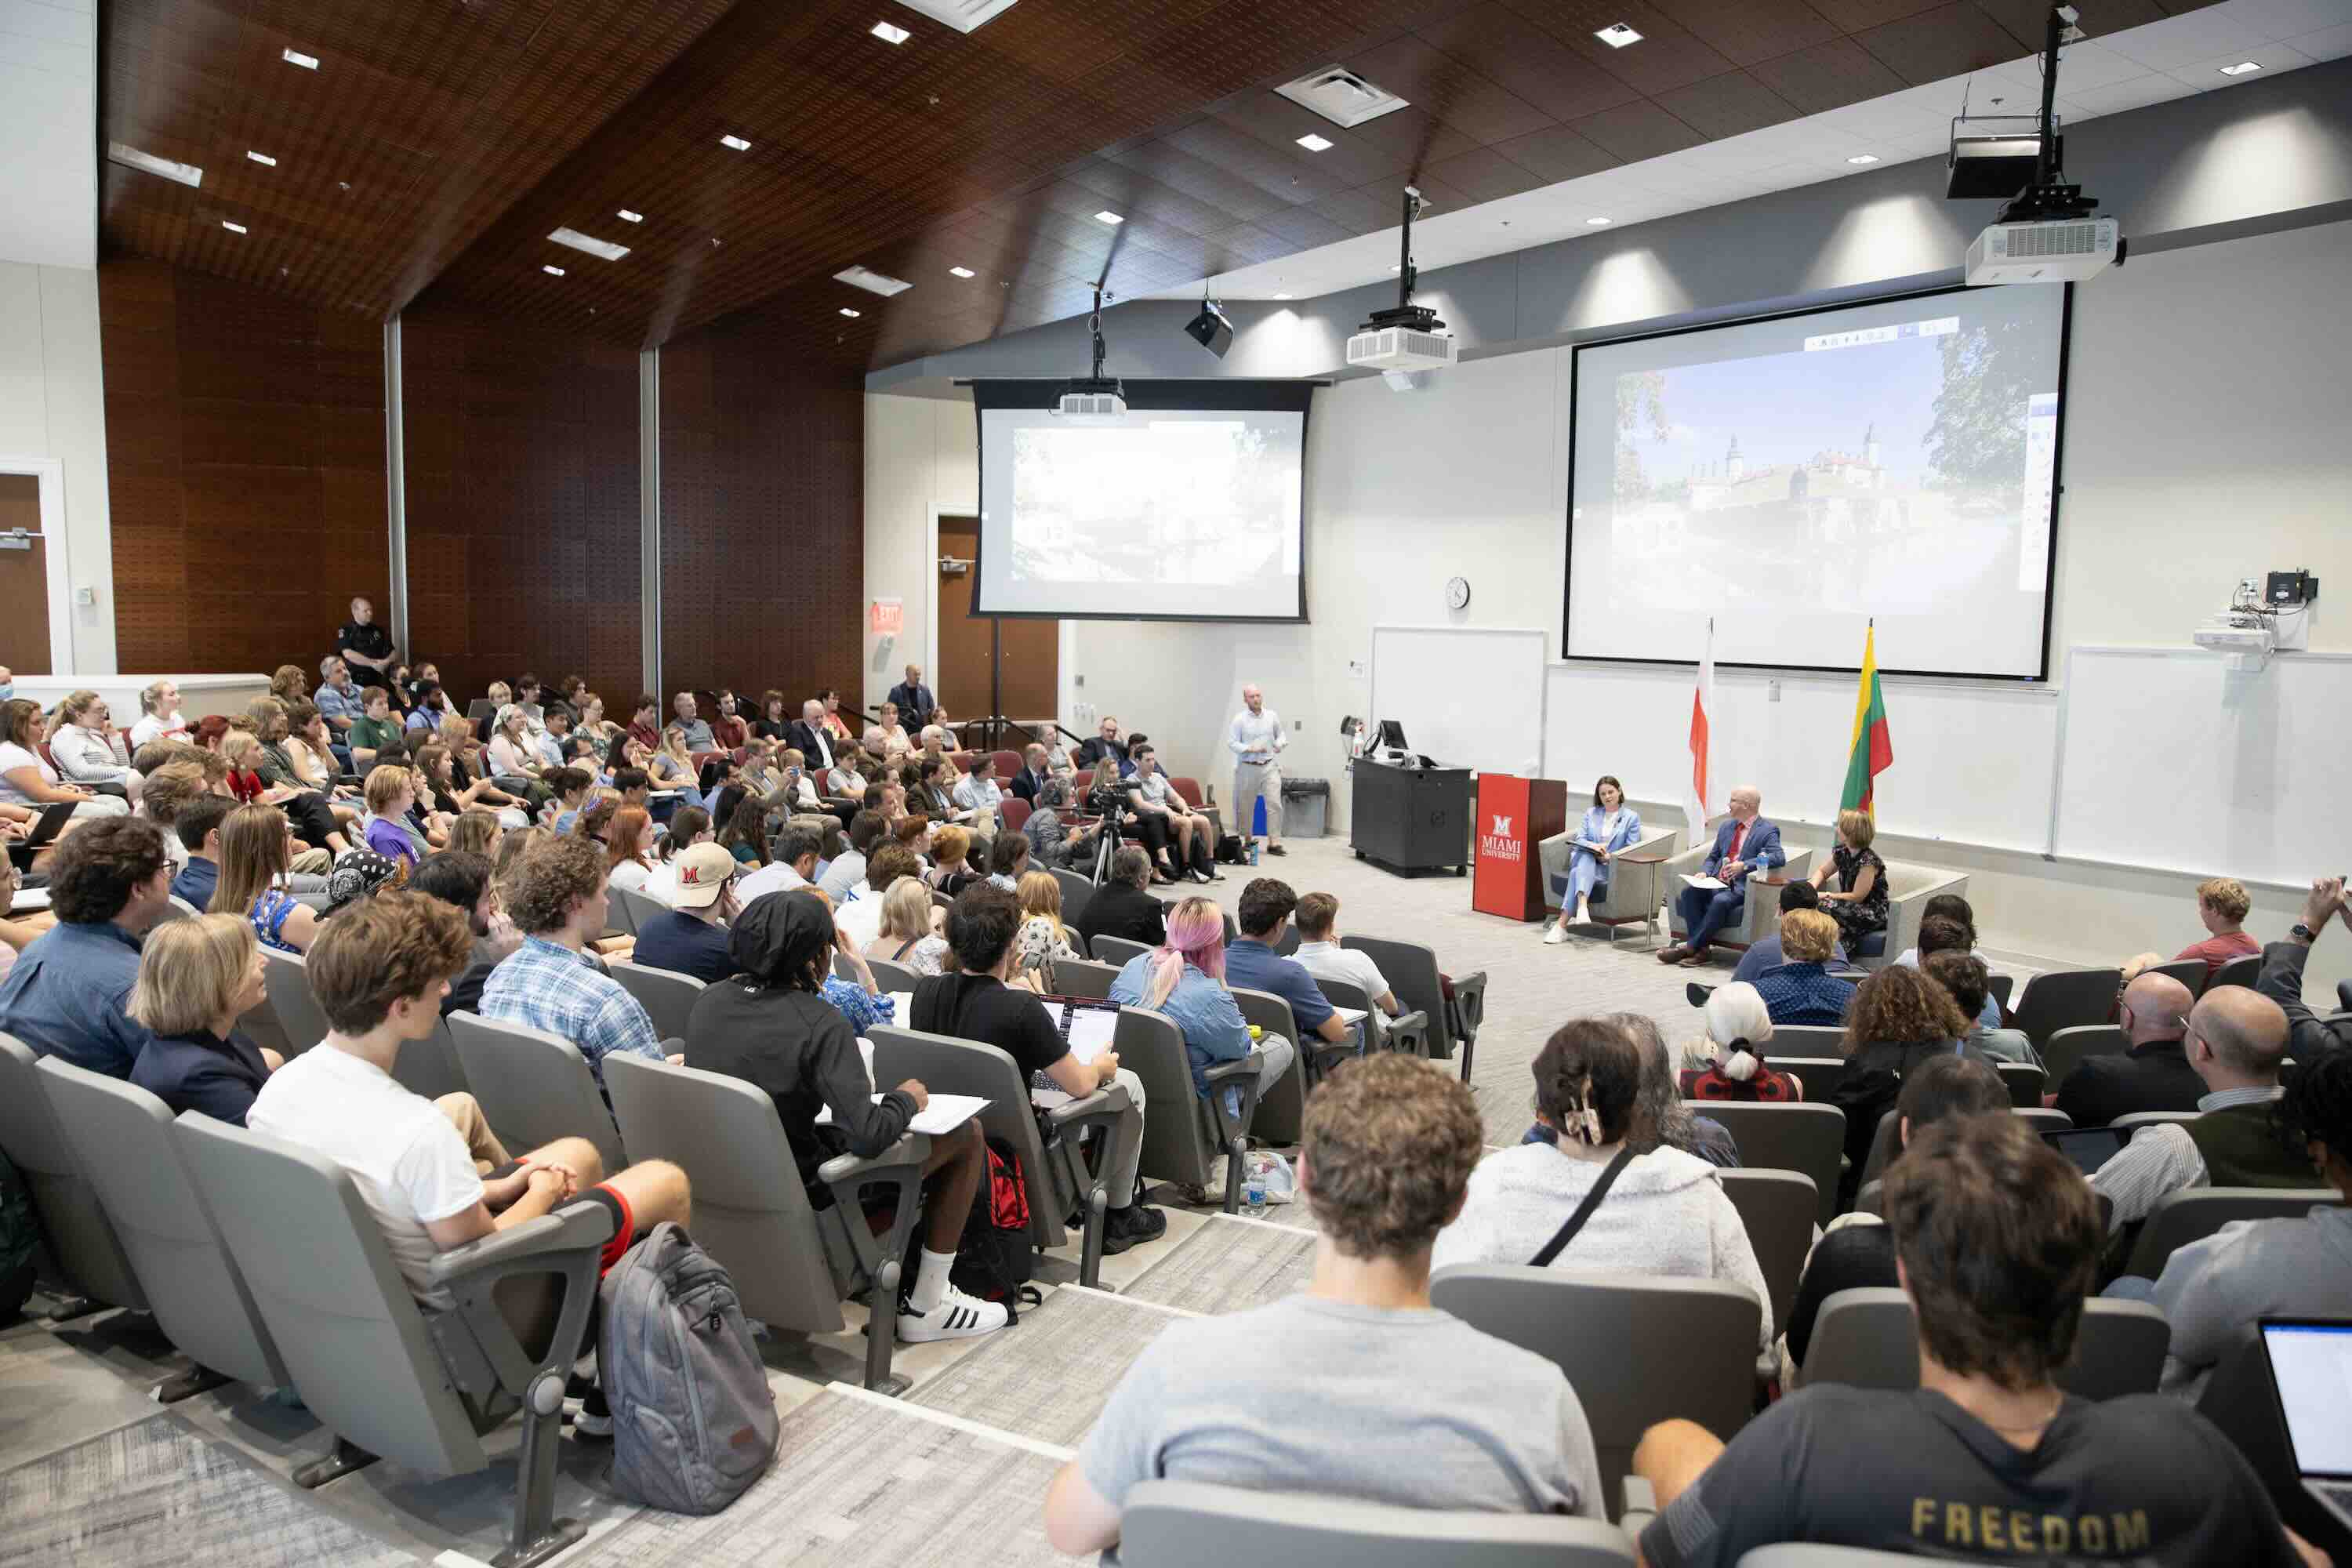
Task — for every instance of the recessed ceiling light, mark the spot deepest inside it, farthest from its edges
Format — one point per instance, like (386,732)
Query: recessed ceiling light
(264,158)
(550,269)
(848,312)
(1282,296)
(1314,144)
(603,248)
(1600,221)
(2243,68)
(296,58)
(233,227)
(1864,158)
(735,142)
(626,215)
(1108,216)
(889,34)
(873,282)
(133,158)
(1617,34)
(963,272)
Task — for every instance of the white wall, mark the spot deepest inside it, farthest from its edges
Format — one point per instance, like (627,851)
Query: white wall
(2204,442)
(53,406)
(922,458)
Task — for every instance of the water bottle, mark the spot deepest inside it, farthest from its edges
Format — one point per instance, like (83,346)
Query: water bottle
(1253,1189)
(1254,851)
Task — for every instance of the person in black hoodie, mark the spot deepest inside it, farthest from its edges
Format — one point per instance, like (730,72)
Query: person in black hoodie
(1898,1018)
(772,1027)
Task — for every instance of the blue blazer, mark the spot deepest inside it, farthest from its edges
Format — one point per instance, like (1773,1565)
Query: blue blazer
(200,1071)
(1629,829)
(1762,848)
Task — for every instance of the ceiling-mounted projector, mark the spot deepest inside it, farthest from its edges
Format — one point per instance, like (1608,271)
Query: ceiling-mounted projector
(2064,250)
(2045,233)
(1096,397)
(1409,337)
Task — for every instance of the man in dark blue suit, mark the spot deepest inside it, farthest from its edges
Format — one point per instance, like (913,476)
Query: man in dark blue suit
(915,701)
(1744,843)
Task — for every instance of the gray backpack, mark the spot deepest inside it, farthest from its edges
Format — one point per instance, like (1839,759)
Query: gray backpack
(694,1422)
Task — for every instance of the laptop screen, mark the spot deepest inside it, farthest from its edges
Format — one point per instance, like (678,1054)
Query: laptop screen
(2311,1365)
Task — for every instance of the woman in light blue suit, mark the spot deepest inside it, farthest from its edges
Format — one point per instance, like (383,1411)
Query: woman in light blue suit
(1608,827)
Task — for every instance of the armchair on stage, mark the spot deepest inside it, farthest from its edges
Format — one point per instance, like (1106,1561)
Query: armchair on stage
(1637,882)
(1760,914)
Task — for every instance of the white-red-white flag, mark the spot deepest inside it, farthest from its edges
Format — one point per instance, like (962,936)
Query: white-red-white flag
(1700,802)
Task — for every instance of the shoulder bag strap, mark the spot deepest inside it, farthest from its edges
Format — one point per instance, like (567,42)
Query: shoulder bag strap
(1584,1210)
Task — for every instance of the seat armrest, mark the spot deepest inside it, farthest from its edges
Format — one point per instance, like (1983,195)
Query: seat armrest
(1242,1074)
(536,1246)
(1469,1003)
(475,1339)
(1408,1032)
(1105,1105)
(900,1169)
(1688,861)
(911,1149)
(1641,1506)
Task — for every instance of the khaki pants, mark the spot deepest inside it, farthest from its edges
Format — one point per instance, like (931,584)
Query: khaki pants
(482,1146)
(1250,781)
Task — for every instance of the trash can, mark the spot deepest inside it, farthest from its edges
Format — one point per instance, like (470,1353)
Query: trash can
(1306,808)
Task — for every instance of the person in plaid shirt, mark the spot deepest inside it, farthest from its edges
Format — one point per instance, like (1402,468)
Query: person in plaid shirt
(557,901)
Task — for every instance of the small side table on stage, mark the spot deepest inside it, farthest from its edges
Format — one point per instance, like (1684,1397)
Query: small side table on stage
(1410,819)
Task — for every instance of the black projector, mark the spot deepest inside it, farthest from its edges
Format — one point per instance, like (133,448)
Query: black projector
(1211,330)
(1992,164)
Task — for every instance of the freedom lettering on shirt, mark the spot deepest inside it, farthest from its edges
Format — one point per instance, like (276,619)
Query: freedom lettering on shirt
(1988,1527)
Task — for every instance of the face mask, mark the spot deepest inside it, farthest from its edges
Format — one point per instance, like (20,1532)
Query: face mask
(8,689)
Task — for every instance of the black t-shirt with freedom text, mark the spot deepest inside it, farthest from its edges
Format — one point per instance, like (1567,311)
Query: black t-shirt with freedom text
(2139,1479)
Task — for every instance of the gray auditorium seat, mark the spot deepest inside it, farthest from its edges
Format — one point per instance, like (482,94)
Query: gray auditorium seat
(2059,999)
(1282,1108)
(1778,1209)
(2131,1122)
(1411,969)
(1868,1337)
(1115,950)
(892,978)
(1805,1040)
(1882,1142)
(1637,1350)
(2067,1048)
(1820,1075)
(81,1238)
(429,1066)
(534,1087)
(792,1264)
(632,908)
(1407,1031)
(298,1014)
(2189,971)
(1083,977)
(1184,1132)
(122,1135)
(1180,1524)
(667,996)
(1808,1139)
(2237,971)
(388,1378)
(1077,891)
(2023,1080)
(2182,1218)
(1059,1184)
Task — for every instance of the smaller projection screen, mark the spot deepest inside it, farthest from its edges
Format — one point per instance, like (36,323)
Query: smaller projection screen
(1191,507)
(1794,477)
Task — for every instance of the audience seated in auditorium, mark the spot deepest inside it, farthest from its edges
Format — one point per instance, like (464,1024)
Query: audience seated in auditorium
(744,834)
(1320,954)
(691,936)
(1180,839)
(160,718)
(1745,843)
(390,795)
(512,755)
(1185,977)
(1857,1249)
(1665,1211)
(2152,1074)
(2235,1041)
(1727,1058)
(86,749)
(1950,933)
(1042,940)
(1997,1236)
(2282,974)
(728,731)
(196,978)
(859,914)
(462,879)
(1311,1393)
(1122,907)
(558,900)
(1253,964)
(1008,860)
(908,934)
(950,872)
(846,872)
(27,778)
(2212,1290)
(66,993)
(1899,1018)
(1103,742)
(256,849)
(815,743)
(645,723)
(1801,990)
(1033,775)
(375,725)
(1964,975)
(2222,908)
(895,742)
(197,825)
(792,865)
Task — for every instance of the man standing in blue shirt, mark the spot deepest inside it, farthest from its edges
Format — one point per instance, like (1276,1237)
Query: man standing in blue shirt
(1252,963)
(109,881)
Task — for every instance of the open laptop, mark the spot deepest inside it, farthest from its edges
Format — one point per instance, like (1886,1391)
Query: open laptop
(2311,1373)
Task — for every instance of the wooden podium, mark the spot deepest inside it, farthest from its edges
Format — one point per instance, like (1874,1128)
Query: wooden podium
(1515,815)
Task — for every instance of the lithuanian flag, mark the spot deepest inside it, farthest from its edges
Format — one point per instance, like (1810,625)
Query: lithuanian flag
(1871,753)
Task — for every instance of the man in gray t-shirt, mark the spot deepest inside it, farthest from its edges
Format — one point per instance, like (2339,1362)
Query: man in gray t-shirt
(1306,1395)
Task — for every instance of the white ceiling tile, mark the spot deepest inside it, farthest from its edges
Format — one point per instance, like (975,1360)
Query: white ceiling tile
(2205,76)
(2177,40)
(2088,65)
(2141,91)
(2286,19)
(2327,44)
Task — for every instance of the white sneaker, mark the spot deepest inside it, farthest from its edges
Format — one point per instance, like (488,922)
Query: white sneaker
(1556,935)
(957,1317)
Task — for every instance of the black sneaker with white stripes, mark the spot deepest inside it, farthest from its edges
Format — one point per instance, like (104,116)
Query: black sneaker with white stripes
(957,1317)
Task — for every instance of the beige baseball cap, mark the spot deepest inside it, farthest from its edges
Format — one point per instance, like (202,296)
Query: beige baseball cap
(703,873)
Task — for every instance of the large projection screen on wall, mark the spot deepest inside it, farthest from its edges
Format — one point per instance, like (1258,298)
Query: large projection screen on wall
(1188,507)
(1796,476)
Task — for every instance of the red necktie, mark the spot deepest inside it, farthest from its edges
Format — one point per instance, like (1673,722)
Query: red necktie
(1737,834)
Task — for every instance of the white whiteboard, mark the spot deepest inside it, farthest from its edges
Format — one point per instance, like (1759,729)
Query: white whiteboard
(2176,764)
(1972,762)
(1466,695)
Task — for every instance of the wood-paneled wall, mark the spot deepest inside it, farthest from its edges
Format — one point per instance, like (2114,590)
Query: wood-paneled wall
(244,459)
(763,518)
(523,521)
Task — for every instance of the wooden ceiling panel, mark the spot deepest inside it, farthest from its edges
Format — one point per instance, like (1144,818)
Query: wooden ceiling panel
(1950,40)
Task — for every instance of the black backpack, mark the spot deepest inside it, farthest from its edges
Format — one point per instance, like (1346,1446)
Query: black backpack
(996,1257)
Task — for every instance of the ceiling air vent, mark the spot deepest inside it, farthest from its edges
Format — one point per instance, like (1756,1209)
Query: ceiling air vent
(963,16)
(133,158)
(873,282)
(1340,96)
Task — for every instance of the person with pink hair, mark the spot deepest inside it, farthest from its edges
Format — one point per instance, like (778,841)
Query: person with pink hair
(1184,979)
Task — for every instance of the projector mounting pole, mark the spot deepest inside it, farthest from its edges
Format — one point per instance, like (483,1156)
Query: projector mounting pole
(1405,250)
(2049,195)
(1094,325)
(1419,318)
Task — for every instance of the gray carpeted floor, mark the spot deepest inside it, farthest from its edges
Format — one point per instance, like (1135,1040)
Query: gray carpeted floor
(1048,1380)
(1230,1265)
